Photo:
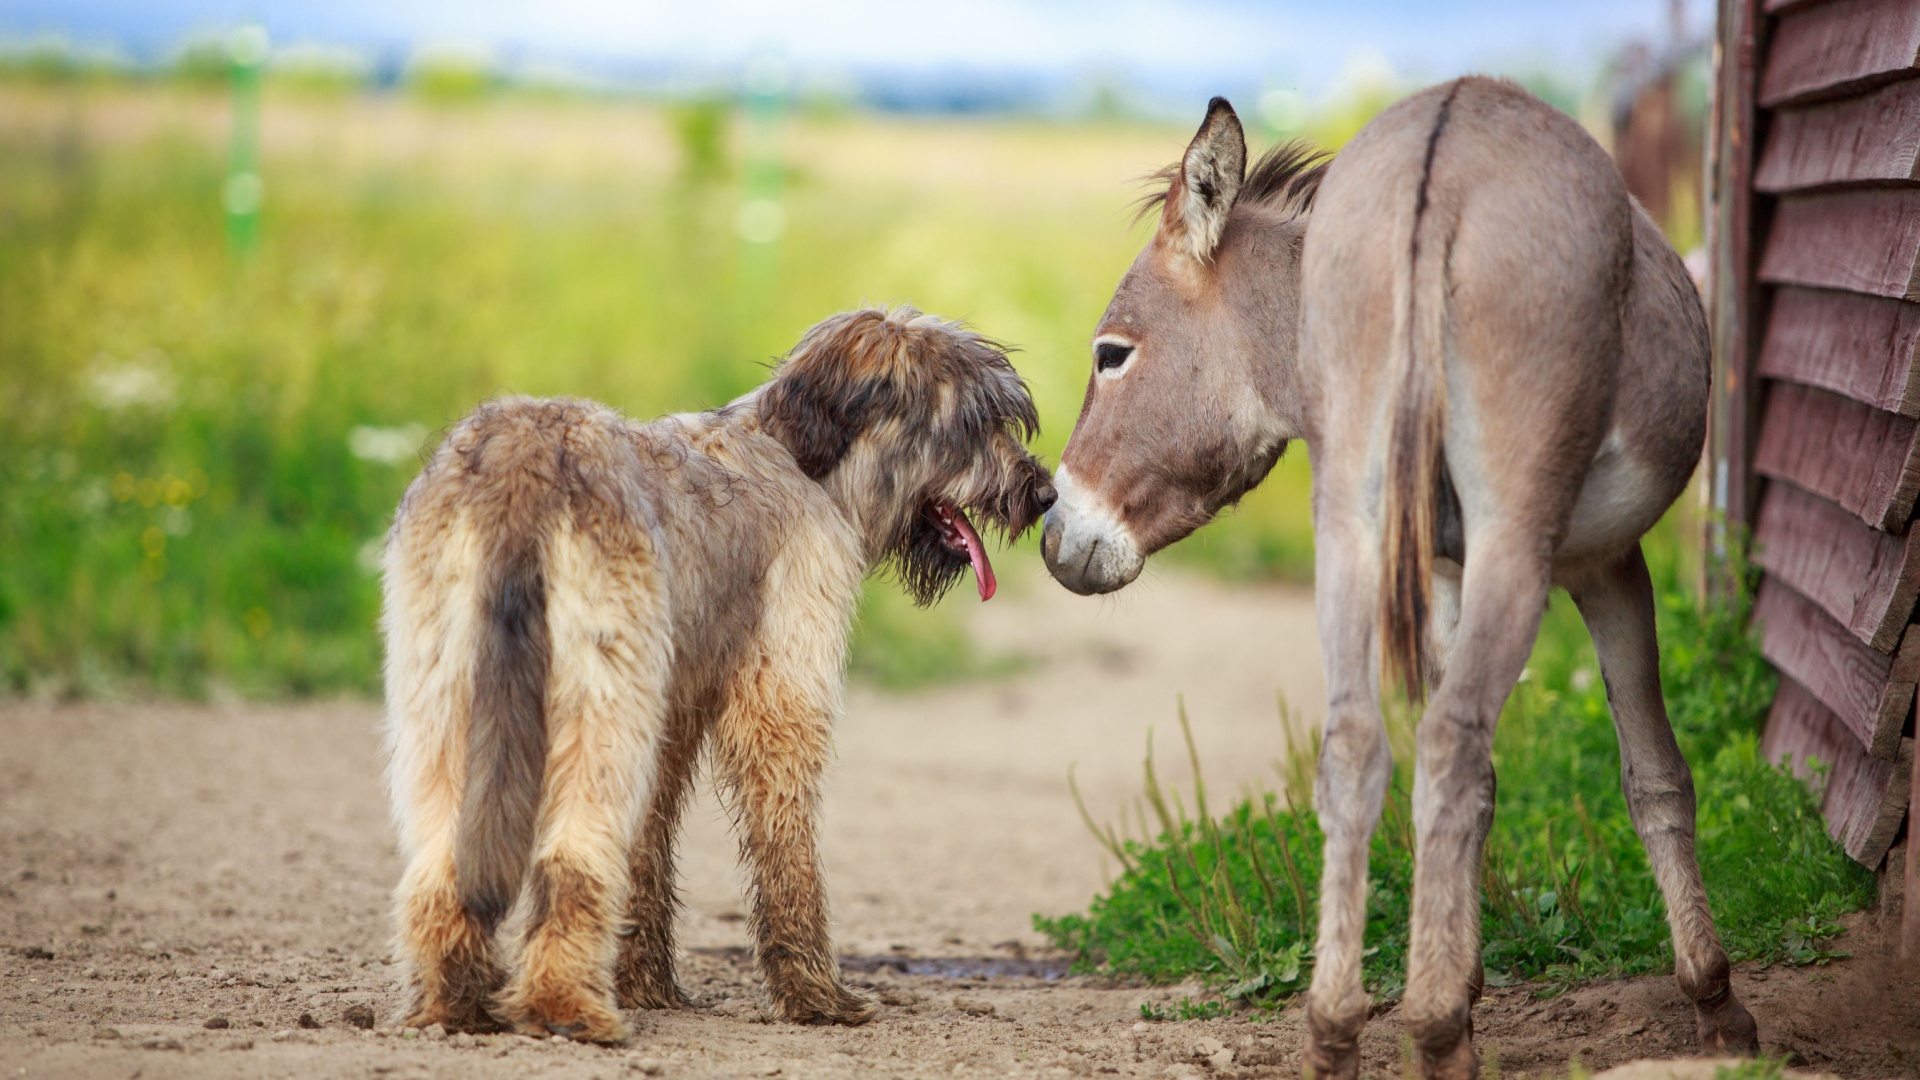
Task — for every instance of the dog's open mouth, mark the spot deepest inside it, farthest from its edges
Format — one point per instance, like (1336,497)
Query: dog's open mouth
(957,533)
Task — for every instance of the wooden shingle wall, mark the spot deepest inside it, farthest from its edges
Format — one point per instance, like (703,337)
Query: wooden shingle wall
(1817,316)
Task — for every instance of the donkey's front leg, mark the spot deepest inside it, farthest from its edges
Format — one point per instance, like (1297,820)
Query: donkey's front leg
(1617,603)
(1503,593)
(1355,767)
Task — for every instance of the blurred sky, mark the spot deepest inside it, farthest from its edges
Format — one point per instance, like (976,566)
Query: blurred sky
(1301,45)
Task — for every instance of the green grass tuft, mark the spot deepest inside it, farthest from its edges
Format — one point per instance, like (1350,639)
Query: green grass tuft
(1569,895)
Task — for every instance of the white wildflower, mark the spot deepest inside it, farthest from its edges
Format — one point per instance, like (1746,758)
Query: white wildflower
(386,445)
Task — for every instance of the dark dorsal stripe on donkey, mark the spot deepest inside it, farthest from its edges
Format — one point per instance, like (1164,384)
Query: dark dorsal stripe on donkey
(1502,369)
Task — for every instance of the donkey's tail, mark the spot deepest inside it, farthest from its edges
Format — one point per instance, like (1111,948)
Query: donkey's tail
(507,728)
(1416,415)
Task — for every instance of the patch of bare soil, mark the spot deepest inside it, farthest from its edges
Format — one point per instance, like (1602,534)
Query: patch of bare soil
(201,891)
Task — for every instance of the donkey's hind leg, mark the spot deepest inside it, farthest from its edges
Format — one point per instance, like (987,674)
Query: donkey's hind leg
(605,709)
(1445,625)
(1617,603)
(1356,765)
(1503,592)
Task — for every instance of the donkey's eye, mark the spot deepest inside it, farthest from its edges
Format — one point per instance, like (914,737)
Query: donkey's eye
(1109,355)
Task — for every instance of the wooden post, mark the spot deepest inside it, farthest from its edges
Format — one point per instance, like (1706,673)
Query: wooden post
(1732,500)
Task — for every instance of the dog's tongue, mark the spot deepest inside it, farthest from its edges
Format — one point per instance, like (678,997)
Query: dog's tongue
(977,552)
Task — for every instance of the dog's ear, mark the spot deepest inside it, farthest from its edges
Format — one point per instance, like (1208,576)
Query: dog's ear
(1206,183)
(821,396)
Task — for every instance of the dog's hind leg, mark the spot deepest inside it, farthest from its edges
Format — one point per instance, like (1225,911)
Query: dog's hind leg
(606,704)
(446,950)
(645,970)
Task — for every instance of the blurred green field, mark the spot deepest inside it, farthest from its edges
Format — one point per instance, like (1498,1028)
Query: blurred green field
(200,452)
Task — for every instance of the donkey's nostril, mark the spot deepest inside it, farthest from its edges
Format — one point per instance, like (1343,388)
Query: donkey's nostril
(1044,497)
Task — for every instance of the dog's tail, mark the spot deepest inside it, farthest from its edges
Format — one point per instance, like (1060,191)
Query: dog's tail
(507,726)
(1416,415)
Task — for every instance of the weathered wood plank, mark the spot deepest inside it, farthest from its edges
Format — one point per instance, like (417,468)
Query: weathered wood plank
(1732,431)
(1828,48)
(1860,457)
(1865,578)
(1910,919)
(1863,241)
(1863,798)
(1872,137)
(1872,693)
(1864,347)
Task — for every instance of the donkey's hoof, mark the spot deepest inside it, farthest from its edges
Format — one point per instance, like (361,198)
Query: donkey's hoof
(1330,1061)
(1728,1029)
(1457,1063)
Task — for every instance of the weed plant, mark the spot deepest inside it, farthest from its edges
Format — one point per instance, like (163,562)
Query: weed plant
(1568,894)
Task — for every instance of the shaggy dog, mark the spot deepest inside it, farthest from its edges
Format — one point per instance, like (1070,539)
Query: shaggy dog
(577,604)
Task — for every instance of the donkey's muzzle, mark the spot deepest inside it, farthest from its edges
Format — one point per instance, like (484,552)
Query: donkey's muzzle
(1088,554)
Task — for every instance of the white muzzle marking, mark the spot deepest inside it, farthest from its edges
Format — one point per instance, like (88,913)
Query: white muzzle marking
(1086,546)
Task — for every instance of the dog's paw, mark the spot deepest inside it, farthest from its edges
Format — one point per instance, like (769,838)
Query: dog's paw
(649,987)
(576,1016)
(842,1005)
(455,1016)
(642,996)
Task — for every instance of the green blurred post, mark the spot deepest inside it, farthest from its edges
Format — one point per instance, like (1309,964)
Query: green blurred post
(241,194)
(762,218)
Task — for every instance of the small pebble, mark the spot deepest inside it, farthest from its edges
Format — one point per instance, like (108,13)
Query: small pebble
(307,1021)
(105,1033)
(559,1040)
(1141,1028)
(461,1040)
(650,1066)
(360,1016)
(218,1023)
(436,1032)
(90,973)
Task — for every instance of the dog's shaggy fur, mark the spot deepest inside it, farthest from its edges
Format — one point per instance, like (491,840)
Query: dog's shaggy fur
(577,605)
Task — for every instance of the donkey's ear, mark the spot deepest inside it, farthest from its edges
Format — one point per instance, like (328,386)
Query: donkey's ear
(1207,183)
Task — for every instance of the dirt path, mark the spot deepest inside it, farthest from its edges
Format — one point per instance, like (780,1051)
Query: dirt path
(164,868)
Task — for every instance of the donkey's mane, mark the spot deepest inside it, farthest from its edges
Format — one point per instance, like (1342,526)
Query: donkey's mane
(1286,178)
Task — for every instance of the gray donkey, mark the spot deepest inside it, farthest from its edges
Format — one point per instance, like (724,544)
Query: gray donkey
(1502,369)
